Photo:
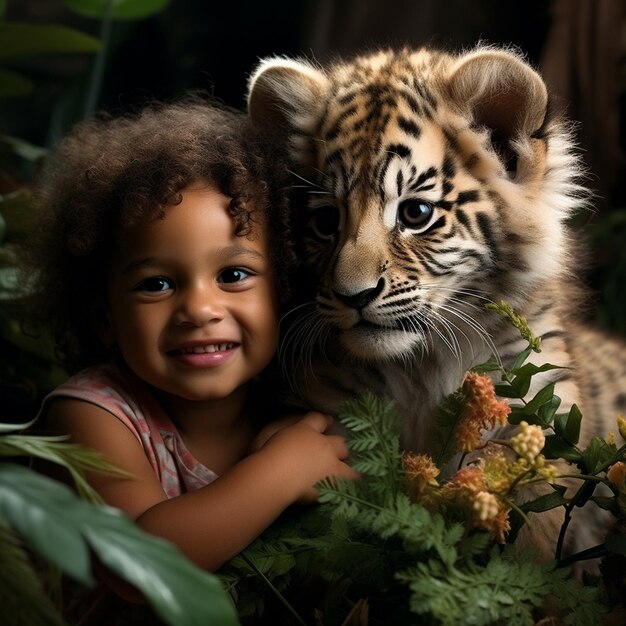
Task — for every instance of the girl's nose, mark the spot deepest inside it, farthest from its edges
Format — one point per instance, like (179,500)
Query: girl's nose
(199,305)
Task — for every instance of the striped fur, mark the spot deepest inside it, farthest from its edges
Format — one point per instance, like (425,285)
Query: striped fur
(437,183)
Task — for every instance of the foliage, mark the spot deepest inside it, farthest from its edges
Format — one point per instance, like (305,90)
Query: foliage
(44,527)
(28,368)
(414,540)
(51,521)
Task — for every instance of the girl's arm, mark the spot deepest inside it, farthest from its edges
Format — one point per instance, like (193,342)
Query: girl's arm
(214,523)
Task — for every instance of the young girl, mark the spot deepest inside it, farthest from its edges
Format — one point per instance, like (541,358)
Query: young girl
(157,261)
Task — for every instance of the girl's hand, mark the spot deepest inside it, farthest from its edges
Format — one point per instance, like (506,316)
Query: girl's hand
(269,430)
(304,453)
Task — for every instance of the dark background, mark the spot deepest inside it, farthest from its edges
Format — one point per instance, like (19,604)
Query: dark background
(201,44)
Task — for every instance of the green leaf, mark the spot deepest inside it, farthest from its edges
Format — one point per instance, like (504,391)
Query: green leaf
(24,40)
(7,428)
(608,503)
(547,412)
(542,397)
(492,365)
(13,85)
(22,598)
(597,454)
(567,425)
(521,382)
(46,514)
(73,457)
(24,150)
(60,527)
(616,543)
(505,390)
(120,9)
(180,593)
(521,359)
(544,503)
(557,448)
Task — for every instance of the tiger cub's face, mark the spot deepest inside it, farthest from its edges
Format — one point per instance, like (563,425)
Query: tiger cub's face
(438,183)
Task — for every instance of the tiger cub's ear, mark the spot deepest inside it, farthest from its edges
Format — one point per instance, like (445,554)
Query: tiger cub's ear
(286,95)
(501,91)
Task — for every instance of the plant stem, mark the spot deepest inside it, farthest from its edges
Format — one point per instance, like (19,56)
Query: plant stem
(277,593)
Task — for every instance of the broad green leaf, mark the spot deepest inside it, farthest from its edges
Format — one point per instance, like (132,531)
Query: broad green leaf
(59,526)
(544,503)
(24,40)
(120,10)
(22,598)
(180,593)
(47,515)
(505,390)
(547,411)
(542,397)
(567,425)
(14,85)
(608,503)
(532,369)
(523,378)
(521,359)
(557,448)
(597,454)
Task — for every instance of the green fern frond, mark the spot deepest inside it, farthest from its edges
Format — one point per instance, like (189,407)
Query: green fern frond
(505,590)
(374,426)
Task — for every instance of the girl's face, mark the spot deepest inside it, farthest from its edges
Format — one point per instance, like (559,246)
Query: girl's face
(193,308)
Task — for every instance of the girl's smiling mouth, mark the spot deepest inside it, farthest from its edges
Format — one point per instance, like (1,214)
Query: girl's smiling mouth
(202,349)
(205,355)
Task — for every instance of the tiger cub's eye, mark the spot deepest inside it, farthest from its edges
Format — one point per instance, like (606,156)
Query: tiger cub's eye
(325,221)
(414,213)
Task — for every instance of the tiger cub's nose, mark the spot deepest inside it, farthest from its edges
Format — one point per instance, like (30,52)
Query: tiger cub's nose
(362,298)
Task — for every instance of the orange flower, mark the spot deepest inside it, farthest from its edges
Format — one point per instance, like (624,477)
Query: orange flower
(463,486)
(498,525)
(482,411)
(421,473)
(467,489)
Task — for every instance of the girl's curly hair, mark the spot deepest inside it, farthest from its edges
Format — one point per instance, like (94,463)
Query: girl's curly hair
(117,172)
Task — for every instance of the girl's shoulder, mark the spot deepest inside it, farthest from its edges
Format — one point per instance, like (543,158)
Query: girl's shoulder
(108,387)
(105,383)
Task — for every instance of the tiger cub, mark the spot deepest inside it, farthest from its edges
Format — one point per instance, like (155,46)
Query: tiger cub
(439,182)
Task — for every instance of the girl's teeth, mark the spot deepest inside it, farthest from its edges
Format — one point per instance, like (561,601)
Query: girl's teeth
(221,347)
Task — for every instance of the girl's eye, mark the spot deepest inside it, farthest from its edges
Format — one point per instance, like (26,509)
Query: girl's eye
(233,275)
(155,284)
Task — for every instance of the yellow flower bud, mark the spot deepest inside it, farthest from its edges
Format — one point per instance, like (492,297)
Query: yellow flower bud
(621,426)
(616,475)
